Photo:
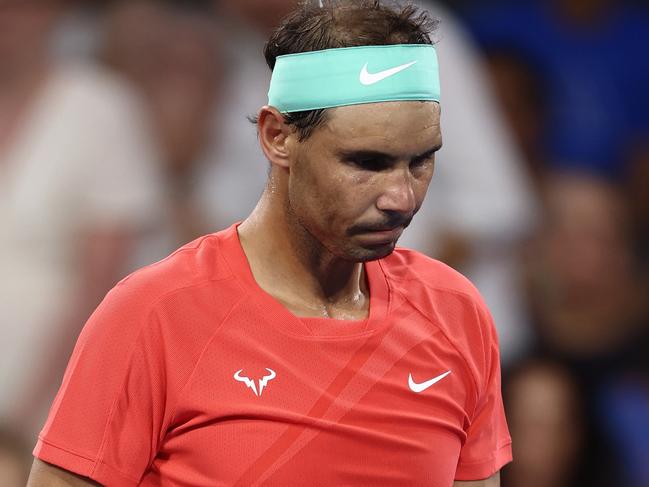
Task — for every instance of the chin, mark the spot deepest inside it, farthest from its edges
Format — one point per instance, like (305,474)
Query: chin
(366,254)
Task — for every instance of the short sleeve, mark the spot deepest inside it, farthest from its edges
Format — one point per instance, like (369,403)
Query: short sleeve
(106,419)
(488,445)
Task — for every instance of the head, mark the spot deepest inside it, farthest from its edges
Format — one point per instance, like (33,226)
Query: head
(586,235)
(584,284)
(351,177)
(25,29)
(132,38)
(173,56)
(264,15)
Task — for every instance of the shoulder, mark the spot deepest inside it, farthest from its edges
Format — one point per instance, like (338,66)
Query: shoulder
(442,294)
(185,292)
(197,264)
(410,267)
(160,318)
(450,303)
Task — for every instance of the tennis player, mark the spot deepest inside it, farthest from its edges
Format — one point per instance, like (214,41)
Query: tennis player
(299,347)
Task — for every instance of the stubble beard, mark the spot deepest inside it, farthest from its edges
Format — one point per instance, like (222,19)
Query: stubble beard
(309,243)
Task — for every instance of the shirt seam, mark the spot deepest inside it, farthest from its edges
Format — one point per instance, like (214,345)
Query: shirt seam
(469,296)
(489,460)
(186,248)
(67,450)
(95,461)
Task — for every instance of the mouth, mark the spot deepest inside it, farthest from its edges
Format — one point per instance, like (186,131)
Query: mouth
(382,236)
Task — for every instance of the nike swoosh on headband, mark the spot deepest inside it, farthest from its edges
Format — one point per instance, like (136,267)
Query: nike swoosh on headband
(340,76)
(367,78)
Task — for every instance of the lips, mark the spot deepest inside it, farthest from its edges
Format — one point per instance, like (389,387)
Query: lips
(381,236)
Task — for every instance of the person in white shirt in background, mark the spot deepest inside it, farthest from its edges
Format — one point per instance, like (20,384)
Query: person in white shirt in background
(172,56)
(78,185)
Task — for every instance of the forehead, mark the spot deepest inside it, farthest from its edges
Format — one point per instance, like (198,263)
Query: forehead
(393,126)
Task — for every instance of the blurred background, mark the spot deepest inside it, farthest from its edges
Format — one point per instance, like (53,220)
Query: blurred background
(123,135)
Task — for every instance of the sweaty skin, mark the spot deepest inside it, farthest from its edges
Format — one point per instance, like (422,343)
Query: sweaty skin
(339,198)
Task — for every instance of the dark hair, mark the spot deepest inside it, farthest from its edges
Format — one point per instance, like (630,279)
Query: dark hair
(329,24)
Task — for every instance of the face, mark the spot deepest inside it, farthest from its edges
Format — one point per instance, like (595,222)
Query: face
(25,27)
(358,180)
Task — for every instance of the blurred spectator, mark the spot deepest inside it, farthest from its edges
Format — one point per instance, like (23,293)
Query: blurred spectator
(572,76)
(173,56)
(584,277)
(15,458)
(591,55)
(77,185)
(261,15)
(588,304)
(546,424)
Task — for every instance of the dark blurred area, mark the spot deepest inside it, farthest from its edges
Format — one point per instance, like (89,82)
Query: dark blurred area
(123,135)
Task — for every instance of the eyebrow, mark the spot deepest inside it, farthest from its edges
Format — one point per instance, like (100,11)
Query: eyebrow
(372,154)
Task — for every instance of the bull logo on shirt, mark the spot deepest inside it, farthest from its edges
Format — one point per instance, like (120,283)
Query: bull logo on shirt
(263,382)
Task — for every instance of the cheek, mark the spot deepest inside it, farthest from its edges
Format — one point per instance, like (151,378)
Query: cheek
(420,186)
(328,197)
(355,194)
(311,193)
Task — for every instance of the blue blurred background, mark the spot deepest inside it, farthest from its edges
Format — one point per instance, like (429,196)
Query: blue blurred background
(123,135)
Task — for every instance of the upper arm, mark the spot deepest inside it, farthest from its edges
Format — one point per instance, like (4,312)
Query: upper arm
(110,408)
(493,481)
(488,444)
(46,475)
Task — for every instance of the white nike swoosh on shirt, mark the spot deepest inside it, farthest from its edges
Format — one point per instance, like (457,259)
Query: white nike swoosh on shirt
(370,78)
(424,385)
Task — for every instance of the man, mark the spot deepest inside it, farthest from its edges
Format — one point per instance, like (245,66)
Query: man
(298,347)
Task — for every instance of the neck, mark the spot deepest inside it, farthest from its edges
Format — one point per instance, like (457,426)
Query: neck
(294,267)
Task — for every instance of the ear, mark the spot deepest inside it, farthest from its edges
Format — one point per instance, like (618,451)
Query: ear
(275,136)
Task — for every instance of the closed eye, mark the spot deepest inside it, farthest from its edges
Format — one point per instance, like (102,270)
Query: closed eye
(370,163)
(369,160)
(421,160)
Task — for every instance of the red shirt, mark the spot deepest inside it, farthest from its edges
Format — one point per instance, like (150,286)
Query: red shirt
(189,374)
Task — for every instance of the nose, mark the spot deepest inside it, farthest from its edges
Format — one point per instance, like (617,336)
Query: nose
(398,194)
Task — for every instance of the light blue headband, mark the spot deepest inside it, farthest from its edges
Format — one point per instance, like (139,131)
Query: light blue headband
(354,75)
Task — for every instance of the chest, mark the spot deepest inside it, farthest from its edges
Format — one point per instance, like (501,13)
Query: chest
(268,408)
